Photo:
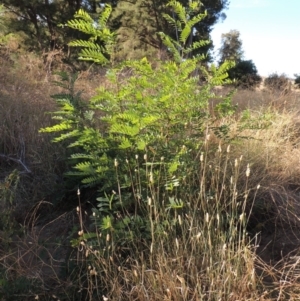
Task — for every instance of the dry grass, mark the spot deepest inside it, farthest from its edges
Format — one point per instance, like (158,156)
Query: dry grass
(197,252)
(23,110)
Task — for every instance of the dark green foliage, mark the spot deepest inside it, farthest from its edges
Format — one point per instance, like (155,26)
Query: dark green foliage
(138,22)
(276,82)
(39,21)
(8,225)
(245,75)
(17,289)
(37,24)
(297,80)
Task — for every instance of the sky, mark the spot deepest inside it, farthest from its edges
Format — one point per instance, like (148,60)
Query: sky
(270,32)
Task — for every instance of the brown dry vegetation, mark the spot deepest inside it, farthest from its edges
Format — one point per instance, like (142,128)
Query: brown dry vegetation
(36,245)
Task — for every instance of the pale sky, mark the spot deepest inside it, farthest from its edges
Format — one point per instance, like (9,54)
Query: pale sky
(270,31)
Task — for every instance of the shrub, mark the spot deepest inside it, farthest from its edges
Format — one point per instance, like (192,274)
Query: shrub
(156,110)
(276,82)
(143,141)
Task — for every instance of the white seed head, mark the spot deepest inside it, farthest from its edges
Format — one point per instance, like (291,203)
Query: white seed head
(78,191)
(228,148)
(248,171)
(201,157)
(116,162)
(93,272)
(179,219)
(151,177)
(235,163)
(207,217)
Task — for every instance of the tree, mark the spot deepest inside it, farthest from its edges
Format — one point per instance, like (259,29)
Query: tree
(9,41)
(245,75)
(40,20)
(138,22)
(231,47)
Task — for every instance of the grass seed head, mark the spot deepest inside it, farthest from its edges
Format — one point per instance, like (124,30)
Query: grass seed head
(201,157)
(207,217)
(248,170)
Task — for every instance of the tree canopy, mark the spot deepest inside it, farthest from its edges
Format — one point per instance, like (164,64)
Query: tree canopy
(136,23)
(231,47)
(244,73)
(40,20)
